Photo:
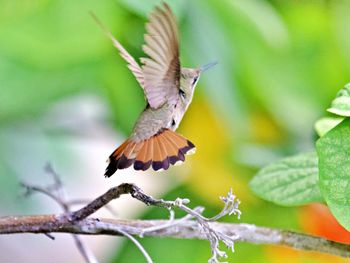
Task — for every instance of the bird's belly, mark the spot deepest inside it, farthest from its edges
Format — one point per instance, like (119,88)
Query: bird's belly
(151,121)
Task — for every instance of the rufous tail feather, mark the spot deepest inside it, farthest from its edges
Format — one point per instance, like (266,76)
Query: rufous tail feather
(159,152)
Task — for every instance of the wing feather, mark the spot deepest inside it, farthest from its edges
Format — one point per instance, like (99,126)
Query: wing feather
(132,64)
(159,74)
(162,69)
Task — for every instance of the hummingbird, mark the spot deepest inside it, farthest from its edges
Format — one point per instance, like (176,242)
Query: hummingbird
(168,90)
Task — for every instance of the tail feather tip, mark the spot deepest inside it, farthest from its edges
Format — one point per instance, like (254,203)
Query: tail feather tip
(159,152)
(111,168)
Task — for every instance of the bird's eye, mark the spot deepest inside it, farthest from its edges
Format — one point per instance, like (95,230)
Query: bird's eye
(194,80)
(182,93)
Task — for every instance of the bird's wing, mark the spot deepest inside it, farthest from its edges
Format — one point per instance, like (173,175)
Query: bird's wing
(132,64)
(161,70)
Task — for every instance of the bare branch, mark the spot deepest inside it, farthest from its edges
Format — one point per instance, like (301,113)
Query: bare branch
(200,228)
(185,230)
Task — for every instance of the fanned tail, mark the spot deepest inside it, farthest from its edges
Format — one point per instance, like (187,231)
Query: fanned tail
(159,152)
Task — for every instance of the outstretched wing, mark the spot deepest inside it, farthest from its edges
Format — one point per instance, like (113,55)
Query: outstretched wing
(161,70)
(132,64)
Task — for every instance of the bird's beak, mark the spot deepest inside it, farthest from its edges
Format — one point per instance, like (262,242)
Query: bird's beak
(208,66)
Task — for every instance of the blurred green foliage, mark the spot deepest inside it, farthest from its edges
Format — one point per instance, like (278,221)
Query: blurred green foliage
(280,64)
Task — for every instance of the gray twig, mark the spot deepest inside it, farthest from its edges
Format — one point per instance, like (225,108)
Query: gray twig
(76,202)
(56,192)
(88,256)
(138,245)
(115,193)
(172,222)
(49,236)
(214,236)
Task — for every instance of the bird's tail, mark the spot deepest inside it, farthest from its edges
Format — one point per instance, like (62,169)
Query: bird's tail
(160,151)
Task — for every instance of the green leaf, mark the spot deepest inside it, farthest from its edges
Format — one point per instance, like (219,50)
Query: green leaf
(324,125)
(289,182)
(341,104)
(334,164)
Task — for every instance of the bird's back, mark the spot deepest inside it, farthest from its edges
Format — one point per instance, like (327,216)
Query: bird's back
(151,121)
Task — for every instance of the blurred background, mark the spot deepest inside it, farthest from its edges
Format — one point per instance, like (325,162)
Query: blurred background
(66,97)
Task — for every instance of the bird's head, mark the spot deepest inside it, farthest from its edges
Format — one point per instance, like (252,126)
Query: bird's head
(189,79)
